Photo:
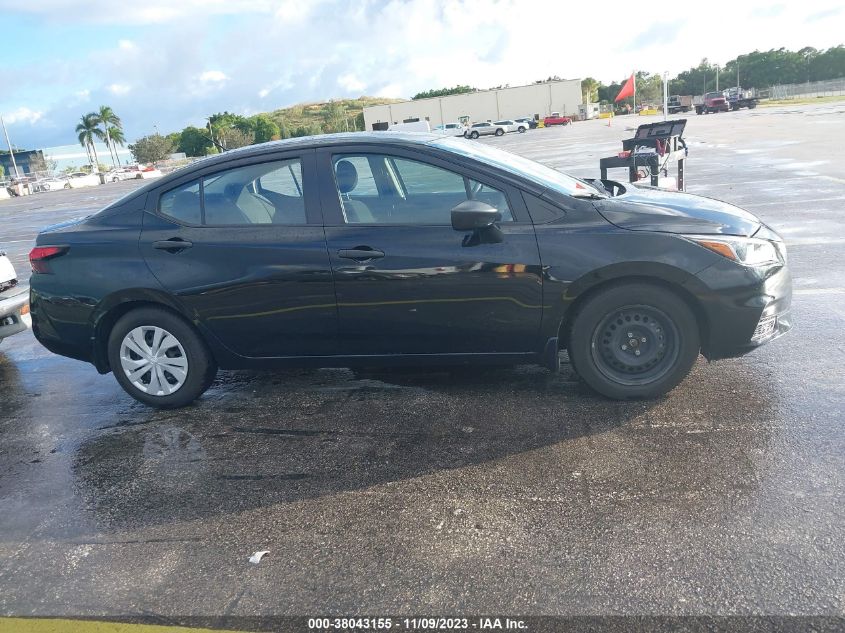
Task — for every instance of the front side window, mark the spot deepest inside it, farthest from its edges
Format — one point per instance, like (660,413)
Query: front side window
(407,191)
(264,193)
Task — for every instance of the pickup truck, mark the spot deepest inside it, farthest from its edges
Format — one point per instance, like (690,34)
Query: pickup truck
(711,102)
(679,103)
(14,301)
(555,118)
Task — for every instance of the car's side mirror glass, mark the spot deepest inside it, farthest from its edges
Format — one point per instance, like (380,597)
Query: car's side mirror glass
(471,215)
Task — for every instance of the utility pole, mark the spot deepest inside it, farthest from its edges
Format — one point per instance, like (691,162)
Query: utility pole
(717,77)
(665,94)
(11,151)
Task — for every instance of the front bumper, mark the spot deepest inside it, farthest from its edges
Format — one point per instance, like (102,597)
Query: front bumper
(744,308)
(14,312)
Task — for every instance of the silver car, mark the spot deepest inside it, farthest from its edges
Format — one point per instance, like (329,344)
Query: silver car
(485,128)
(14,301)
(512,125)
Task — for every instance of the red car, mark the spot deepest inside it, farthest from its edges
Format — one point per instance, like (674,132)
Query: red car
(556,119)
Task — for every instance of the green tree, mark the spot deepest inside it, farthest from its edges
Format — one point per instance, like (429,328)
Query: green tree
(443,92)
(108,120)
(151,149)
(194,141)
(232,138)
(264,128)
(334,117)
(590,88)
(2,172)
(86,133)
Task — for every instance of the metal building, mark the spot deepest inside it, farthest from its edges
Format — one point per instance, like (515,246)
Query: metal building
(534,100)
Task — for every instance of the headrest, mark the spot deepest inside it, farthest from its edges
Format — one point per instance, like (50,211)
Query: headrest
(347,176)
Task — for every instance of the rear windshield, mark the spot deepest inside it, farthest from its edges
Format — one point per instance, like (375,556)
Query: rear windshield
(529,169)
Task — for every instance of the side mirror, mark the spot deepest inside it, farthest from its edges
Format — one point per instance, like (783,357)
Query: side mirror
(471,215)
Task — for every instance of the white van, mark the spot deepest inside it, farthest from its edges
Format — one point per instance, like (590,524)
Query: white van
(415,126)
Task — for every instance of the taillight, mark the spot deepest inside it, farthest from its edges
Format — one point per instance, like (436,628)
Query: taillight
(39,256)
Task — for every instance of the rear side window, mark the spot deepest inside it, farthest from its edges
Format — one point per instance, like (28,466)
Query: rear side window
(183,203)
(263,193)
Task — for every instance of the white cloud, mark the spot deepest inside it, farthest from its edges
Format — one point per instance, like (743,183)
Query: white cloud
(212,77)
(126,45)
(118,89)
(22,115)
(350,83)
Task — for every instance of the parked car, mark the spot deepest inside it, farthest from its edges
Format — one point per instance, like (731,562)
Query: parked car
(287,254)
(455,129)
(555,118)
(14,301)
(711,102)
(79,179)
(531,122)
(511,125)
(48,184)
(485,128)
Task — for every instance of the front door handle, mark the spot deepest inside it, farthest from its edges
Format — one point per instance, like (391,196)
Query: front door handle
(174,245)
(361,254)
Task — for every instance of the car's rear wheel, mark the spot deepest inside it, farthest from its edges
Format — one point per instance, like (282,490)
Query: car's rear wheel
(499,132)
(634,341)
(159,359)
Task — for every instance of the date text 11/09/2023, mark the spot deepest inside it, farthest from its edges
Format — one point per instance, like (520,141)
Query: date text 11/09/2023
(416,624)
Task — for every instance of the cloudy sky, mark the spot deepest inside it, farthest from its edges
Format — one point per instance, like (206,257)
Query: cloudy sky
(170,63)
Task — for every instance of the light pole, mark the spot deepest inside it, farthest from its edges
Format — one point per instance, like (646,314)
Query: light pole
(665,94)
(717,77)
(11,150)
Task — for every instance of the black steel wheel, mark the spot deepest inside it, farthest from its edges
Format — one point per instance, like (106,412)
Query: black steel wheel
(634,341)
(635,345)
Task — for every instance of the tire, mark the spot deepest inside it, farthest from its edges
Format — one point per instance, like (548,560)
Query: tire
(144,324)
(521,129)
(499,131)
(115,179)
(605,356)
(473,135)
(67,186)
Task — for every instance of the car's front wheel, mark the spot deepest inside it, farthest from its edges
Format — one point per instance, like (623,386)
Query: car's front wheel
(473,135)
(499,132)
(159,359)
(634,341)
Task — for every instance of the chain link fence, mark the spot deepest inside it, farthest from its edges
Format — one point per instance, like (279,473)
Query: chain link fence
(809,89)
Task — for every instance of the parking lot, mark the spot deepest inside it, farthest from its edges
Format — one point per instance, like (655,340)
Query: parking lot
(510,491)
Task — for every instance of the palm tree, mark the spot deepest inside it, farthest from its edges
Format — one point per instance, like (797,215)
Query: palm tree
(108,119)
(115,133)
(87,131)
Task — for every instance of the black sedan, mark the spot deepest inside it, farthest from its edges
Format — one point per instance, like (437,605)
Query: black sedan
(399,249)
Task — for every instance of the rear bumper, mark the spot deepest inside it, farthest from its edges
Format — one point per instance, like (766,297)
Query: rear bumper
(14,312)
(745,308)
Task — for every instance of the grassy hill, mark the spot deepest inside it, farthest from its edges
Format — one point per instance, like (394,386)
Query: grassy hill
(330,116)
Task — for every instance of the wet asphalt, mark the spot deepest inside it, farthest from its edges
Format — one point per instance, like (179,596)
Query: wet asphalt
(509,491)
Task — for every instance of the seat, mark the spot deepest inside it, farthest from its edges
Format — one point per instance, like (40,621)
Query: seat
(356,212)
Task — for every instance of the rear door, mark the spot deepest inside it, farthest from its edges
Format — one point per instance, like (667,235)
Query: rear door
(406,281)
(242,247)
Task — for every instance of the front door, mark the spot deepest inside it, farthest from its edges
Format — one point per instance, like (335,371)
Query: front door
(406,281)
(243,249)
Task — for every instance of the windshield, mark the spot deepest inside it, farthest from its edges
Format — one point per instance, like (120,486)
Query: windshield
(532,170)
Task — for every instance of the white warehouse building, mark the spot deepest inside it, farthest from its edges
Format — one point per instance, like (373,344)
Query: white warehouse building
(534,100)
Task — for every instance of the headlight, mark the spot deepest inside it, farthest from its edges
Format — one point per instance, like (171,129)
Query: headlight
(749,251)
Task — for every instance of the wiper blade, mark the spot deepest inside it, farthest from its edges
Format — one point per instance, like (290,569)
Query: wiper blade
(589,196)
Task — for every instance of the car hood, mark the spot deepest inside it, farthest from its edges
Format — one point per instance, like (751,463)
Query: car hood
(649,209)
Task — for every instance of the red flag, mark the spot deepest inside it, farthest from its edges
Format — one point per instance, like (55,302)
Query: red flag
(627,89)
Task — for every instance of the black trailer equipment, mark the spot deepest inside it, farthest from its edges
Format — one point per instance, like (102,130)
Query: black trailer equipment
(653,147)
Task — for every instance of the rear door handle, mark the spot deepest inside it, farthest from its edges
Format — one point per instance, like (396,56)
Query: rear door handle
(360,254)
(175,244)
